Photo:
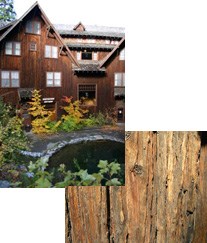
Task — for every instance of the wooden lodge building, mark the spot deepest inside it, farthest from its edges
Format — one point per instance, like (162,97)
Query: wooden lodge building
(62,60)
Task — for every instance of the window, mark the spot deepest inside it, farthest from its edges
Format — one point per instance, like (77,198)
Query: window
(33,27)
(13,48)
(78,55)
(86,55)
(51,51)
(53,79)
(122,54)
(33,46)
(119,79)
(87,94)
(119,86)
(9,79)
(95,56)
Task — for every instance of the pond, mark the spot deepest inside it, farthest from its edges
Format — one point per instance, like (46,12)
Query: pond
(86,155)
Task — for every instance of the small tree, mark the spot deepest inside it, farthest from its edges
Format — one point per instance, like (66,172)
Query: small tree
(12,138)
(41,115)
(74,114)
(7,12)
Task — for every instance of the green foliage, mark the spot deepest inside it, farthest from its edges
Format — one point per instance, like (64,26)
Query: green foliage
(7,12)
(5,111)
(12,138)
(95,120)
(42,117)
(38,176)
(73,119)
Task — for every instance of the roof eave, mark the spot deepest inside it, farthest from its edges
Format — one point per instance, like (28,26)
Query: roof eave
(111,53)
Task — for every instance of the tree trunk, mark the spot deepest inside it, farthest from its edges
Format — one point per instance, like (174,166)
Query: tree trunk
(164,199)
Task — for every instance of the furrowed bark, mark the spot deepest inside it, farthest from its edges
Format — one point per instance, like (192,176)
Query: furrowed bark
(164,199)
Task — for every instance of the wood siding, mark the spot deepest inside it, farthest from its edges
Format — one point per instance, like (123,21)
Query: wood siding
(164,198)
(33,65)
(105,83)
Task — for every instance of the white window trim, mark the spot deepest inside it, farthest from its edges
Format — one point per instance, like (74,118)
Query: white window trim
(31,45)
(119,77)
(53,80)
(78,55)
(10,78)
(95,56)
(122,54)
(13,48)
(51,48)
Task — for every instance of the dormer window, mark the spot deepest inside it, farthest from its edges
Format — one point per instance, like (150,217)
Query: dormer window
(86,55)
(33,27)
(13,48)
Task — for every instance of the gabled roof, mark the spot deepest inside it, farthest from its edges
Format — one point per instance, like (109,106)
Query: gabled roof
(91,31)
(122,41)
(79,27)
(90,46)
(4,25)
(89,67)
(47,21)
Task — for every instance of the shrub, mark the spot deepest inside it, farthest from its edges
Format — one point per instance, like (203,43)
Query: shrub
(41,115)
(74,115)
(12,138)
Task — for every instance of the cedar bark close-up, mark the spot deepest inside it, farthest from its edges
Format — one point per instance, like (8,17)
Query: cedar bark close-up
(163,200)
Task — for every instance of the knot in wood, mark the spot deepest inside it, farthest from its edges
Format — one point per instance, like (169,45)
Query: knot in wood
(127,135)
(137,169)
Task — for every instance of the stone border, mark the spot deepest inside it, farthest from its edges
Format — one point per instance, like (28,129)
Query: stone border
(53,148)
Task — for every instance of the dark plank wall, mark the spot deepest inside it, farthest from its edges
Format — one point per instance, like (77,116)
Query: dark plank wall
(33,65)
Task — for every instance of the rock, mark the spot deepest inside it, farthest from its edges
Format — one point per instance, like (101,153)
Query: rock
(4,184)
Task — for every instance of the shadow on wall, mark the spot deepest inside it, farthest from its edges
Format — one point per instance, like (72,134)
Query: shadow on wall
(203,137)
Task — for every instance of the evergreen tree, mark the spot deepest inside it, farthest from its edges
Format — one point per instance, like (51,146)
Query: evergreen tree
(7,12)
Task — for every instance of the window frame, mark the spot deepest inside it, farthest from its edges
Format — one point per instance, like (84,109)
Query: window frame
(122,55)
(32,43)
(122,79)
(10,79)
(51,47)
(84,52)
(87,84)
(53,79)
(95,55)
(78,55)
(13,48)
(34,24)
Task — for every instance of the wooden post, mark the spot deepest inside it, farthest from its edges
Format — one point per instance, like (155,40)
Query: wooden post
(164,199)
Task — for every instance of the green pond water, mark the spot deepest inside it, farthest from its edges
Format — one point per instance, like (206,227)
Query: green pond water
(87,155)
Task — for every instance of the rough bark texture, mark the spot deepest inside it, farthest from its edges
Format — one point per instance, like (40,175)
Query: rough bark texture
(164,199)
